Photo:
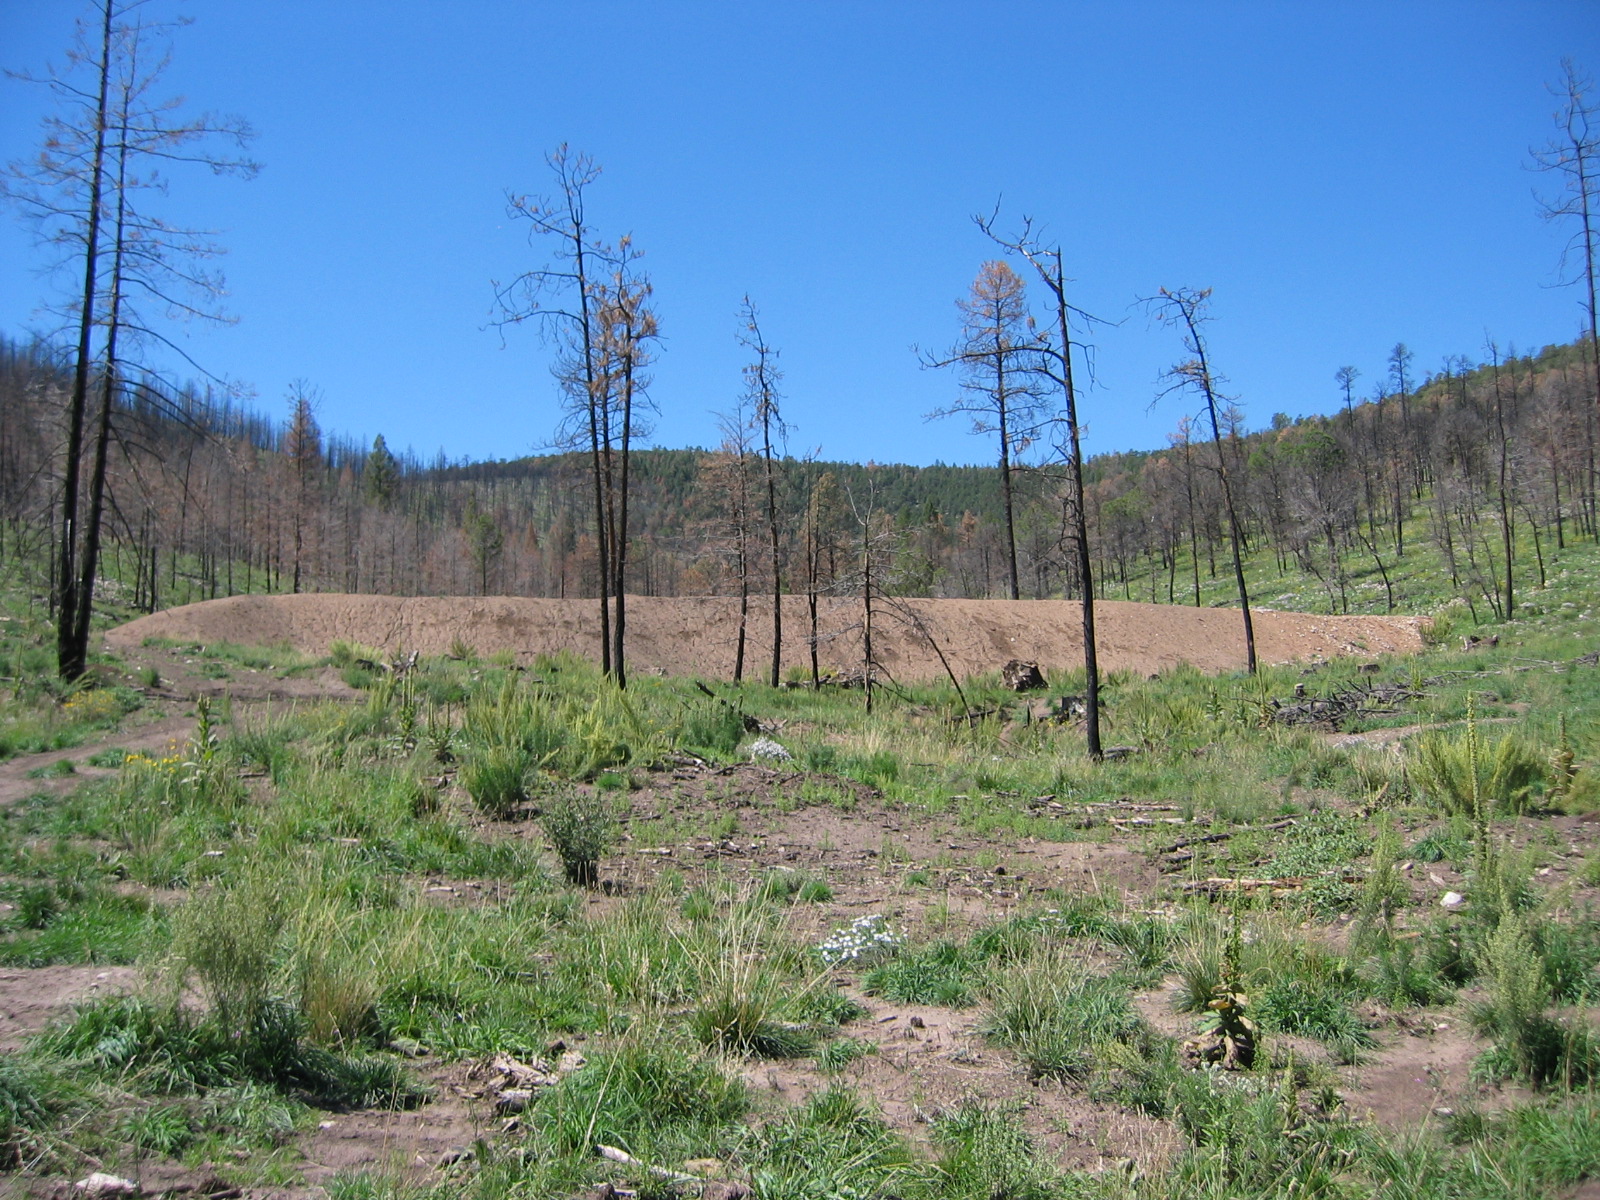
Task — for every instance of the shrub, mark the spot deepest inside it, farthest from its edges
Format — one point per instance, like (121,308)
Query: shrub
(342,653)
(786,887)
(831,1146)
(985,1153)
(1529,1042)
(1314,1009)
(746,1020)
(583,826)
(841,1052)
(176,1051)
(24,1111)
(228,939)
(1146,941)
(1400,973)
(1457,774)
(712,727)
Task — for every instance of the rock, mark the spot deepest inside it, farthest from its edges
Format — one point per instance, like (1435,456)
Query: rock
(1022,676)
(724,1189)
(513,1075)
(101,1184)
(1453,901)
(512,1100)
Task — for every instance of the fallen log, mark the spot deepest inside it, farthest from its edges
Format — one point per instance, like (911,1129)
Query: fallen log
(1177,855)
(1283,886)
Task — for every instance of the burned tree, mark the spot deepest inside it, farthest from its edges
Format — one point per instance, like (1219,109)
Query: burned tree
(1573,157)
(1185,309)
(596,305)
(761,378)
(102,151)
(998,358)
(1053,355)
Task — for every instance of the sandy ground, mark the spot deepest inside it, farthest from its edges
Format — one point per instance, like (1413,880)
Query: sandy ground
(698,635)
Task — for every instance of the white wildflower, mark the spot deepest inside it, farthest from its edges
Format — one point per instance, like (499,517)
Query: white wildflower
(765,749)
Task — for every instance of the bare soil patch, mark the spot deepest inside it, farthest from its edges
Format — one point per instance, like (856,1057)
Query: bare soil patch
(697,635)
(31,997)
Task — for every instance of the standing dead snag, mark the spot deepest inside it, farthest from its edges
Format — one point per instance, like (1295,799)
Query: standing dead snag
(1185,308)
(1573,156)
(102,150)
(761,379)
(999,359)
(559,297)
(724,480)
(596,305)
(627,327)
(1054,362)
(823,533)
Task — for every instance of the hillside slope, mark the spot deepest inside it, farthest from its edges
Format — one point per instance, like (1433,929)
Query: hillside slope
(697,635)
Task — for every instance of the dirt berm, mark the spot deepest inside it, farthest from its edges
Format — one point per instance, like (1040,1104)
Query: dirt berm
(697,635)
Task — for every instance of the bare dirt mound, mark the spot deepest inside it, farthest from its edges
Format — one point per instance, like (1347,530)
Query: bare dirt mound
(697,635)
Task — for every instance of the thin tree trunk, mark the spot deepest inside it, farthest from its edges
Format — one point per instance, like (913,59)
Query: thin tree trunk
(69,663)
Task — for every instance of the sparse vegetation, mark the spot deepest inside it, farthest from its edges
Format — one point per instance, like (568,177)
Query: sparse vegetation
(344,897)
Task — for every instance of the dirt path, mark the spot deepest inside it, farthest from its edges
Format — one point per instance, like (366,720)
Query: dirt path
(19,781)
(696,635)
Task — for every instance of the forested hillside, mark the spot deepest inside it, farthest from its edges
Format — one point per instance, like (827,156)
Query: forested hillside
(1459,483)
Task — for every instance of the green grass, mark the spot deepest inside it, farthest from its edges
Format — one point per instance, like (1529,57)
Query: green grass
(943,974)
(336,901)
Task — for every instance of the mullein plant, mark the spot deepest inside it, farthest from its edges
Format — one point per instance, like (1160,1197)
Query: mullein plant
(1226,1036)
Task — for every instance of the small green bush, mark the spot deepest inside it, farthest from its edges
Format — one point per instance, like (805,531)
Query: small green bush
(653,1100)
(583,827)
(227,938)
(787,887)
(984,1153)
(832,1146)
(1530,1043)
(711,727)
(838,1054)
(1314,1009)
(1054,1016)
(25,1110)
(1456,774)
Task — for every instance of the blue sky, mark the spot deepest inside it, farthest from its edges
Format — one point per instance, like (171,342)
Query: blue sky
(1344,175)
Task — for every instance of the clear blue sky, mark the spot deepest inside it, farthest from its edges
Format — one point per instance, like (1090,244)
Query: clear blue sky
(1344,175)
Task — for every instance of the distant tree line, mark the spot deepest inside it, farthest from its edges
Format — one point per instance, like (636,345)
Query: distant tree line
(1495,465)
